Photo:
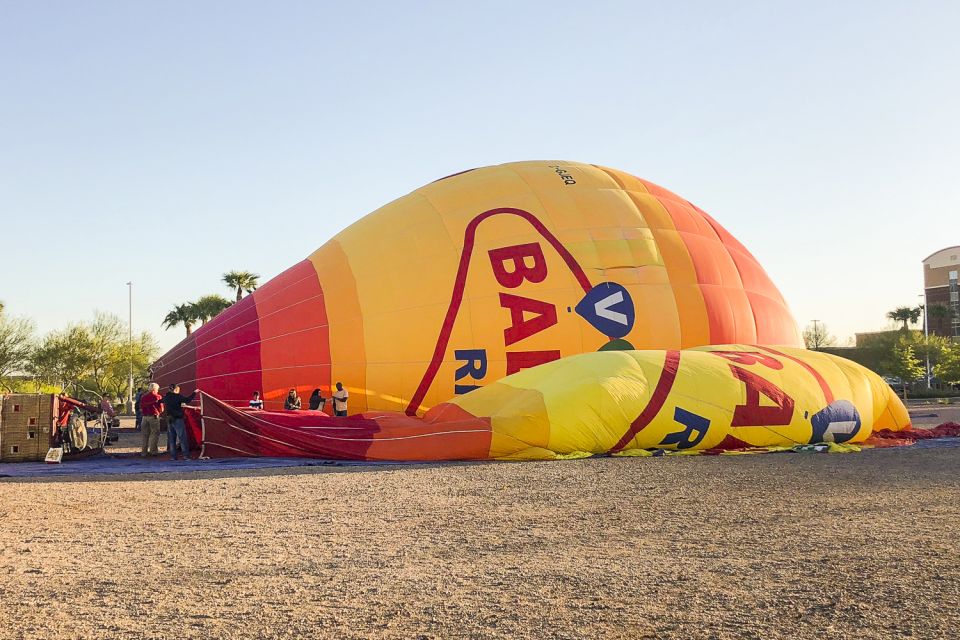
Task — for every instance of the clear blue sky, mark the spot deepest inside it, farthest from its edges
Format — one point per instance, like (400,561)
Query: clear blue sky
(168,142)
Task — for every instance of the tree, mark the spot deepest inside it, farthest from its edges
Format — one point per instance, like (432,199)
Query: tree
(185,314)
(937,314)
(906,315)
(930,347)
(915,314)
(16,339)
(210,306)
(107,347)
(939,311)
(189,313)
(92,358)
(241,281)
(948,366)
(817,335)
(142,352)
(62,358)
(904,364)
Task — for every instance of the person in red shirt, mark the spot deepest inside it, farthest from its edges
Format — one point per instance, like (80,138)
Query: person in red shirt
(66,407)
(151,405)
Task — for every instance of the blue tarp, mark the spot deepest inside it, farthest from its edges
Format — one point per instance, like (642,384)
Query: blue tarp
(104,465)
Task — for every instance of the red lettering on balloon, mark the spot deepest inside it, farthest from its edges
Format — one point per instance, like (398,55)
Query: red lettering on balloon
(456,297)
(752,413)
(827,392)
(750,357)
(545,315)
(517,360)
(517,254)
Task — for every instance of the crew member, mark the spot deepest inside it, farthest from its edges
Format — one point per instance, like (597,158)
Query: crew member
(340,398)
(151,406)
(176,428)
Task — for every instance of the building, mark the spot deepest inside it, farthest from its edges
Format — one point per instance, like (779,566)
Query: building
(940,290)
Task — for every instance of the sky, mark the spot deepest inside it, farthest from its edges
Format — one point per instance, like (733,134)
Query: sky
(165,143)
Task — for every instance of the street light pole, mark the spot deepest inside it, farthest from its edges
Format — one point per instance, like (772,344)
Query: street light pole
(926,335)
(130,344)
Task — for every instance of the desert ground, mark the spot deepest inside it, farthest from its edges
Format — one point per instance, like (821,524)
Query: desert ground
(764,546)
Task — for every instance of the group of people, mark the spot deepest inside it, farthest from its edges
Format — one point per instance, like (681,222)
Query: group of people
(316,403)
(150,406)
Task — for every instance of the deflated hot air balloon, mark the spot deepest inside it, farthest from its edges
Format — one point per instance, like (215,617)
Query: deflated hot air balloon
(440,294)
(619,402)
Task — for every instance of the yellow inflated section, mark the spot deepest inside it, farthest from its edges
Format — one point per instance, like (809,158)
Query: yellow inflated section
(723,396)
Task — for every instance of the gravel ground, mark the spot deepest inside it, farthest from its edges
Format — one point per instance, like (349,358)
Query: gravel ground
(766,546)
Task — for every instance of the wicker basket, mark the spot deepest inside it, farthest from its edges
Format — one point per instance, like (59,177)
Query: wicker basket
(26,424)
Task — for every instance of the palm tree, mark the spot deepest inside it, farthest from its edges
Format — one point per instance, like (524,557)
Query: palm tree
(915,314)
(906,315)
(185,314)
(937,313)
(241,281)
(210,306)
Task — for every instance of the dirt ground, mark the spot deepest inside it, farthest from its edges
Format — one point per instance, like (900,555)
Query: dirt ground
(766,546)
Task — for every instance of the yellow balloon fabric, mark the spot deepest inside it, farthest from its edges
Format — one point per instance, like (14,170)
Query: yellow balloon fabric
(721,396)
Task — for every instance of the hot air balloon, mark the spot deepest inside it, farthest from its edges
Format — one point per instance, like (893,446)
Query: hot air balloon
(484,274)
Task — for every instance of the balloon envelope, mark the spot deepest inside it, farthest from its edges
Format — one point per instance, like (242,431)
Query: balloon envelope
(481,275)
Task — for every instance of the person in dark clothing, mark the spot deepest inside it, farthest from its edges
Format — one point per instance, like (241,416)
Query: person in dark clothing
(136,407)
(292,403)
(176,428)
(317,401)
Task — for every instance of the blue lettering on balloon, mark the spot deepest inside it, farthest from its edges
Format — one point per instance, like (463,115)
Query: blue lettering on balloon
(696,428)
(837,422)
(475,367)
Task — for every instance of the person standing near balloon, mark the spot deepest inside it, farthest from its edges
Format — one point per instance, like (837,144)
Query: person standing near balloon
(136,408)
(317,401)
(150,407)
(176,427)
(292,403)
(340,398)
